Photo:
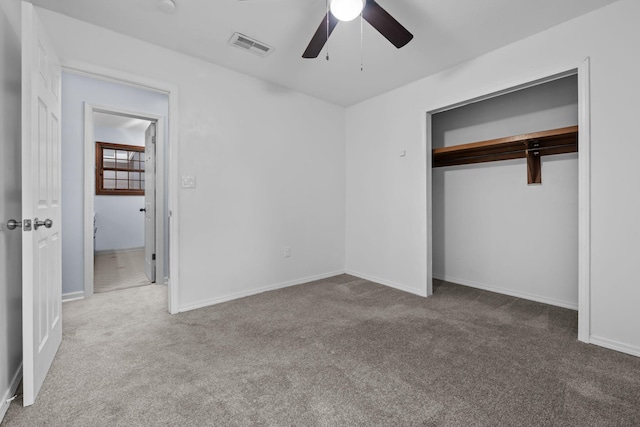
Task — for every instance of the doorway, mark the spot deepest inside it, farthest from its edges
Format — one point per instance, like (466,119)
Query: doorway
(124,232)
(92,90)
(146,241)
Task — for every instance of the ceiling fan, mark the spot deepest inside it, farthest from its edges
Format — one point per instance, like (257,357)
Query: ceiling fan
(372,12)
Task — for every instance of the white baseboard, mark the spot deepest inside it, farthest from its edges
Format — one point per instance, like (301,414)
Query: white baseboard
(420,292)
(256,291)
(72,296)
(510,292)
(615,345)
(117,251)
(15,382)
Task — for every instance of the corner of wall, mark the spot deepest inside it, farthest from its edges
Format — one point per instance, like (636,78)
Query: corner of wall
(8,395)
(72,296)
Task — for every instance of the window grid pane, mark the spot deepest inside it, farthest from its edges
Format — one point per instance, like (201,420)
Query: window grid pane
(119,169)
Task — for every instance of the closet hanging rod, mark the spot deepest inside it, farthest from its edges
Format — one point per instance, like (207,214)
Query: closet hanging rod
(547,135)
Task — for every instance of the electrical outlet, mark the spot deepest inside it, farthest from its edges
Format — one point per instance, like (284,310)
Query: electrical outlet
(287,252)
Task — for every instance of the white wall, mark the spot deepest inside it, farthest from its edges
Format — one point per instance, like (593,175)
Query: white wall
(386,211)
(119,222)
(76,91)
(10,203)
(269,166)
(492,230)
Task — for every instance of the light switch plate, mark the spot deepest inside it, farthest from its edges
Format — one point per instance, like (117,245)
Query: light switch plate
(188,181)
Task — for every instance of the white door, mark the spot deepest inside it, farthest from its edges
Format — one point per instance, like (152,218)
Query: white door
(150,202)
(41,250)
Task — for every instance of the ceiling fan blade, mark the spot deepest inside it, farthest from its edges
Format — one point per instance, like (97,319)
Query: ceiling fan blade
(386,25)
(320,37)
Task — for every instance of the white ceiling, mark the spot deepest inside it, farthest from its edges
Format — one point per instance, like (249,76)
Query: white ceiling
(120,122)
(445,33)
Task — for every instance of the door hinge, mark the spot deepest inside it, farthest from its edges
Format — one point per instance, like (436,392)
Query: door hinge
(153,139)
(153,257)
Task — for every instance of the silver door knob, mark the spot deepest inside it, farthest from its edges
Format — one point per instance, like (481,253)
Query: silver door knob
(12,224)
(47,223)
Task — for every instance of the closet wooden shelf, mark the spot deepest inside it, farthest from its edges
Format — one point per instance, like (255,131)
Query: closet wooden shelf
(530,146)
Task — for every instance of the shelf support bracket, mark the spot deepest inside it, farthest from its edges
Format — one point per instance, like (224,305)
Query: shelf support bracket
(534,168)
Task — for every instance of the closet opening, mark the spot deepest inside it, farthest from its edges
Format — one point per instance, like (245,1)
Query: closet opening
(494,225)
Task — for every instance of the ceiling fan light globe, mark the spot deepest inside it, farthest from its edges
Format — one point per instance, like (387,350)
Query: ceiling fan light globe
(346,10)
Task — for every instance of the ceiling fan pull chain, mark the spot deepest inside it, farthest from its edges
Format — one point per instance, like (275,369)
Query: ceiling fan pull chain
(361,43)
(327,5)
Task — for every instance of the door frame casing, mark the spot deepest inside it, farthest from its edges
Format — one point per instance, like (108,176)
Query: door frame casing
(582,70)
(89,188)
(151,137)
(171,156)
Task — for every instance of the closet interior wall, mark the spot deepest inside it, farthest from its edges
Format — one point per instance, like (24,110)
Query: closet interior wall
(491,229)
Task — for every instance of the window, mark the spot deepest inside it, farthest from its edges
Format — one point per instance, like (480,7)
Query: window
(119,169)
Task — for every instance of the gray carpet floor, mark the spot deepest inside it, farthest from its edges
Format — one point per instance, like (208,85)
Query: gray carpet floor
(119,270)
(337,352)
